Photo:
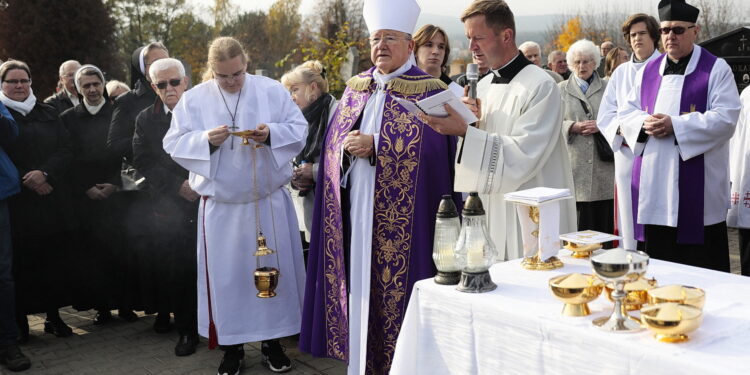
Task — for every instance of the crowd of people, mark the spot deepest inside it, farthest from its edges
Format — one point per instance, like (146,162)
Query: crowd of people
(165,198)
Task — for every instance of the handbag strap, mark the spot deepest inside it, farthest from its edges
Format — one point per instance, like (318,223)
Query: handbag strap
(585,107)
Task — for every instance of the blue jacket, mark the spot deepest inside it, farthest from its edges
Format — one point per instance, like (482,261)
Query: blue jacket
(9,181)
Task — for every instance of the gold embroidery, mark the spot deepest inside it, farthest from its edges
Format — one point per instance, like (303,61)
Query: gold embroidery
(692,109)
(409,87)
(337,337)
(398,157)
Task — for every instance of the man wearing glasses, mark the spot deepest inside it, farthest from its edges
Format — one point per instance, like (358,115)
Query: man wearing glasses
(382,177)
(67,97)
(173,204)
(243,195)
(679,118)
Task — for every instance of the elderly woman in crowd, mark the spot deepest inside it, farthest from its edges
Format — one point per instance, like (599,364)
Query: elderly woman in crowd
(40,219)
(116,88)
(590,155)
(308,86)
(432,50)
(614,58)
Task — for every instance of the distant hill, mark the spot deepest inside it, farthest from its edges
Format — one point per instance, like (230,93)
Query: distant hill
(527,27)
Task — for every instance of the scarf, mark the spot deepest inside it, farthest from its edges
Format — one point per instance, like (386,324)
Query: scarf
(23,107)
(316,115)
(584,84)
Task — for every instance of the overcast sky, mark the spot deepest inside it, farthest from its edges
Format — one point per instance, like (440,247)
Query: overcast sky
(454,7)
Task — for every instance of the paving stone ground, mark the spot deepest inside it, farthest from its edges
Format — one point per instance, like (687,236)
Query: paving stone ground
(134,348)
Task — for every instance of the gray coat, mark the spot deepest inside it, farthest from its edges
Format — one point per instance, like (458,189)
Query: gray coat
(594,179)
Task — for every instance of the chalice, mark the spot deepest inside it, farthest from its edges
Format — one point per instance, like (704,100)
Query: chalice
(619,267)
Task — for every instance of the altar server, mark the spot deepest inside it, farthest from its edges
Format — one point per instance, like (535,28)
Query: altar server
(239,186)
(642,33)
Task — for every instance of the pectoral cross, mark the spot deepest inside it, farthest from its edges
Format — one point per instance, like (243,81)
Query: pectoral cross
(232,128)
(692,109)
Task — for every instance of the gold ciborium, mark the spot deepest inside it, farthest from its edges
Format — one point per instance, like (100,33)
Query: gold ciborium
(266,281)
(687,295)
(636,293)
(535,262)
(245,135)
(671,322)
(581,250)
(576,290)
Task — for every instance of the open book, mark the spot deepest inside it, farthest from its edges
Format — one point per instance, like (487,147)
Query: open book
(434,106)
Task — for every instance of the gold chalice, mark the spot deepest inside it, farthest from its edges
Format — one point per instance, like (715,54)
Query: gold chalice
(266,281)
(576,290)
(687,295)
(245,135)
(671,322)
(535,262)
(581,250)
(636,293)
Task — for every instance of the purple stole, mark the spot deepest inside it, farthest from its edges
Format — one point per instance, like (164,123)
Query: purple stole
(691,172)
(413,168)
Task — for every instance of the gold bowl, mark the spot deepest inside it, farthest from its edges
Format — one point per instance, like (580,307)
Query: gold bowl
(576,290)
(266,281)
(671,322)
(581,250)
(687,295)
(636,293)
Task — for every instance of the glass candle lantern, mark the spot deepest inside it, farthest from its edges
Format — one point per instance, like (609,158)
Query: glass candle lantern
(475,252)
(447,228)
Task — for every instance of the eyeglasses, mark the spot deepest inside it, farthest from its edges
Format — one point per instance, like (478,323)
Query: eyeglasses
(389,40)
(17,81)
(582,62)
(229,77)
(678,30)
(172,82)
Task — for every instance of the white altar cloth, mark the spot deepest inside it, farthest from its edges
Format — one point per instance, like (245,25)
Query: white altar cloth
(518,328)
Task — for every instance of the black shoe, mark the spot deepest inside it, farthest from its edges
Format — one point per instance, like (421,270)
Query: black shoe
(58,328)
(273,356)
(127,315)
(233,361)
(186,345)
(102,317)
(161,323)
(13,359)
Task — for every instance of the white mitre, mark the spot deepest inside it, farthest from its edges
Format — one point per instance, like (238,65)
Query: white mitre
(399,15)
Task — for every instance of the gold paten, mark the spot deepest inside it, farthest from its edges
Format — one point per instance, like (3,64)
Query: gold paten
(576,291)
(245,135)
(266,281)
(581,250)
(671,322)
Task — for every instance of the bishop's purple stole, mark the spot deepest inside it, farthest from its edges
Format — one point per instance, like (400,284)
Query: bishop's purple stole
(691,180)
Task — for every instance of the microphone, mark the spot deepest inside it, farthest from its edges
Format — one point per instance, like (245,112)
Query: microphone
(472,77)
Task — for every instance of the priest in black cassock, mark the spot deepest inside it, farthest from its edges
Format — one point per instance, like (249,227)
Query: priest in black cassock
(171,273)
(95,179)
(40,213)
(679,117)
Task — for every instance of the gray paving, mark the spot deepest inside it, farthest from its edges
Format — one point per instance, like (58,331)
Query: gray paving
(134,348)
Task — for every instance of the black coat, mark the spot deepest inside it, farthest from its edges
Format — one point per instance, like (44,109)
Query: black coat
(127,108)
(60,102)
(163,174)
(43,144)
(41,224)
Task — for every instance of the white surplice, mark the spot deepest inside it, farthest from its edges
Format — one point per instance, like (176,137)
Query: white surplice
(228,215)
(739,165)
(518,145)
(696,133)
(362,202)
(617,91)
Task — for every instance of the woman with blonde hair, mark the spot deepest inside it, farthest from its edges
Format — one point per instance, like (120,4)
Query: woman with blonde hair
(243,196)
(308,86)
(615,57)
